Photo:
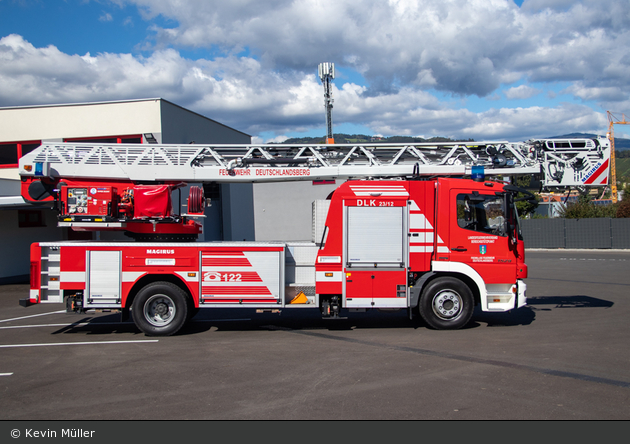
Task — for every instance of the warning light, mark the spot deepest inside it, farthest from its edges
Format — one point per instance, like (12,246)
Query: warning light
(477,173)
(42,169)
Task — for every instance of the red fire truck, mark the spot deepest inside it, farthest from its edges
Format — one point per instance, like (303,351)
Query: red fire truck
(435,246)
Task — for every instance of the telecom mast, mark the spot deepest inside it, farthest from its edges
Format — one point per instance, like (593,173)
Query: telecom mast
(326,74)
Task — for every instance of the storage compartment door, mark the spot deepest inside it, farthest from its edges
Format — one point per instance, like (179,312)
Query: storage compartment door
(376,257)
(241,277)
(103,278)
(375,237)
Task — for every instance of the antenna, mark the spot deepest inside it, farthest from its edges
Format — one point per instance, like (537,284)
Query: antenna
(326,74)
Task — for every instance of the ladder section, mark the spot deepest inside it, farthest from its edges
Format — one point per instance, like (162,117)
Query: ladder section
(561,163)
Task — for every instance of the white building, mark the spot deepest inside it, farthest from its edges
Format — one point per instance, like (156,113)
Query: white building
(132,121)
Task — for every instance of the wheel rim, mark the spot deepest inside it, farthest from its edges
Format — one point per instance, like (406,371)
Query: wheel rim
(447,305)
(159,310)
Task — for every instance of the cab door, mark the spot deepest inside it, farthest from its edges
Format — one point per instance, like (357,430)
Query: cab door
(375,255)
(478,234)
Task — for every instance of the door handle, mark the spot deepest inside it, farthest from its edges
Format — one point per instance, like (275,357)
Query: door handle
(459,249)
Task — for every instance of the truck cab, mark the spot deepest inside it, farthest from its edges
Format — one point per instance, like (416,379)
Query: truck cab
(438,247)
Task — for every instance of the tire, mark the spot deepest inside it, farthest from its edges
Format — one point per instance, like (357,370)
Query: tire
(446,304)
(160,309)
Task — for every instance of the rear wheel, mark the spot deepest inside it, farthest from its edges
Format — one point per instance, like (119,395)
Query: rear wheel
(160,309)
(446,304)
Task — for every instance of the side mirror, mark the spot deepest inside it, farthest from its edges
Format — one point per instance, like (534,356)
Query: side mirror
(510,228)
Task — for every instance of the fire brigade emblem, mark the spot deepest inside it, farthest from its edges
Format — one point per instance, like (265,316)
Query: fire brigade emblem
(483,249)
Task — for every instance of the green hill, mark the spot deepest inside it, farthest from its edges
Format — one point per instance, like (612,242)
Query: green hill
(361,138)
(620,144)
(623,167)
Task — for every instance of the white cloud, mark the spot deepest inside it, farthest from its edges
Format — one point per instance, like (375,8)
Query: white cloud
(277,139)
(522,92)
(241,93)
(106,17)
(541,5)
(537,122)
(405,49)
(434,42)
(466,48)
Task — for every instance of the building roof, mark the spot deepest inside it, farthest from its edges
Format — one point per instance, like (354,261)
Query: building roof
(110,102)
(56,105)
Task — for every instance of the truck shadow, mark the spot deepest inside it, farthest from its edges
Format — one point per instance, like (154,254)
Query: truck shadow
(521,316)
(98,325)
(578,301)
(526,315)
(306,319)
(302,319)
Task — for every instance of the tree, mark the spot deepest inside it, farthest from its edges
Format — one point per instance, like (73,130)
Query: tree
(623,207)
(525,207)
(584,208)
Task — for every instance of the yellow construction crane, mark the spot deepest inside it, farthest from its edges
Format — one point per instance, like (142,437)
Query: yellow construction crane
(612,119)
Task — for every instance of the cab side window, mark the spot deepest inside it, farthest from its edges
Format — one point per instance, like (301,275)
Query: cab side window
(481,213)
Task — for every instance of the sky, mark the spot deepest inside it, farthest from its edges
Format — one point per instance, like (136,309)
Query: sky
(482,69)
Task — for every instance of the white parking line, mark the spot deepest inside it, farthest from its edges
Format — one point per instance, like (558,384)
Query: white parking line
(85,324)
(33,316)
(81,324)
(6,374)
(77,343)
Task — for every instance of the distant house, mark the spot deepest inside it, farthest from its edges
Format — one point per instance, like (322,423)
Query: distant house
(551,204)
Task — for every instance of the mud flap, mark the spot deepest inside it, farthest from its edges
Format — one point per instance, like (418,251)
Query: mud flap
(521,299)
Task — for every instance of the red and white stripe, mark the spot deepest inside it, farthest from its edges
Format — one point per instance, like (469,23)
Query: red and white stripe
(600,176)
(377,190)
(231,275)
(425,241)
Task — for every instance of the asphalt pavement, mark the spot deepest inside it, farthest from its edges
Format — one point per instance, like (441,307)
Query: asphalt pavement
(565,356)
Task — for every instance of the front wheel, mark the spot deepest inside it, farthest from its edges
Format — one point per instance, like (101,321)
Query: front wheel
(446,304)
(160,309)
